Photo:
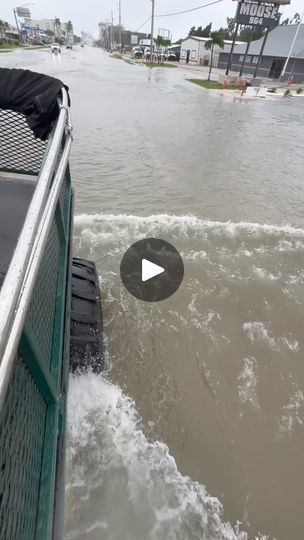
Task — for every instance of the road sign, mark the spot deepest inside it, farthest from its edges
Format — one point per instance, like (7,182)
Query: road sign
(256,14)
(24,13)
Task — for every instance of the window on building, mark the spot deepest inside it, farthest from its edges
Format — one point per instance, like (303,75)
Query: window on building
(193,55)
(183,55)
(241,58)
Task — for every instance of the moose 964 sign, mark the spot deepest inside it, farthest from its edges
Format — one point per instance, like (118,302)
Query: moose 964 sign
(258,14)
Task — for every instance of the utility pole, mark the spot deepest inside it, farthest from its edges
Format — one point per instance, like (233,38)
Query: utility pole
(120,28)
(292,47)
(19,31)
(152,30)
(112,30)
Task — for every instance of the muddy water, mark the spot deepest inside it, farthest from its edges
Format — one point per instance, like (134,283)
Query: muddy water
(198,423)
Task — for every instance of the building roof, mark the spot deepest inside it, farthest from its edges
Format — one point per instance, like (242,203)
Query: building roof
(278,43)
(226,41)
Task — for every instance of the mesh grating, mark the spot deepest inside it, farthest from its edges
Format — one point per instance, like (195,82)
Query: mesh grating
(19,150)
(22,427)
(41,315)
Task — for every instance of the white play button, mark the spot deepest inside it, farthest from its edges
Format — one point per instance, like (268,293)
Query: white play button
(150,270)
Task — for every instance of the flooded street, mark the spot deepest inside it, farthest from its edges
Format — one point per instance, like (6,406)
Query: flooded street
(197,425)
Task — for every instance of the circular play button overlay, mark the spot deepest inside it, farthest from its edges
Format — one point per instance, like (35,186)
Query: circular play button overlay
(152,270)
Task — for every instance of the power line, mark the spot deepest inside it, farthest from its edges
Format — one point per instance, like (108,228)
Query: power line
(181,12)
(143,24)
(192,9)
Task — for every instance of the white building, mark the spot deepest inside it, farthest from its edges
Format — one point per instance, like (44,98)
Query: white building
(193,51)
(59,29)
(42,24)
(8,32)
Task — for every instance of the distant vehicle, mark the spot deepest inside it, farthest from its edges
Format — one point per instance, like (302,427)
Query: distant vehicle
(171,57)
(137,52)
(82,45)
(55,47)
(69,46)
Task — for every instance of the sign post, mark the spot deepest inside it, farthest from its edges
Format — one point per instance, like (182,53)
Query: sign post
(234,38)
(261,53)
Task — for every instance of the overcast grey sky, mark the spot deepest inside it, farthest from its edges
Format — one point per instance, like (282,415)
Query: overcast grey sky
(86,14)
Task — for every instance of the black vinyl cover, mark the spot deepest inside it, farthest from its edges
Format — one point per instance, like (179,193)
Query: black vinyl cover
(33,94)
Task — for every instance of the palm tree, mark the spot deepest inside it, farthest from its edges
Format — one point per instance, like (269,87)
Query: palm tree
(57,27)
(69,26)
(216,39)
(296,18)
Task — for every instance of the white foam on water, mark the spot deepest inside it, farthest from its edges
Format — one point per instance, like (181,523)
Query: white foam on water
(103,425)
(258,331)
(119,226)
(263,274)
(188,221)
(292,415)
(248,383)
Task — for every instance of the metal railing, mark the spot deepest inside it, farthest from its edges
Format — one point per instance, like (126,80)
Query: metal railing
(34,334)
(17,287)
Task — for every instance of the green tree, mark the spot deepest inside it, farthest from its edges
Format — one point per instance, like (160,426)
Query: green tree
(216,39)
(200,31)
(162,42)
(57,27)
(249,33)
(296,19)
(231,24)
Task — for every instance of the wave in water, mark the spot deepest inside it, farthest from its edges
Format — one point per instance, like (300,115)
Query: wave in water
(229,321)
(131,484)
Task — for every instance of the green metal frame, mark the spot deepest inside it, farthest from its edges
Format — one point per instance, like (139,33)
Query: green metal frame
(32,421)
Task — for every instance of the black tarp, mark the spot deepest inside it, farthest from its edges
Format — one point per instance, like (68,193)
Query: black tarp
(33,94)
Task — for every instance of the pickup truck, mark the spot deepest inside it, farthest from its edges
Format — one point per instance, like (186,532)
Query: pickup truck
(55,47)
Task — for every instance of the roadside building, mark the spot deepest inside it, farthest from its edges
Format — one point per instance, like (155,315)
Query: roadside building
(42,24)
(110,35)
(87,39)
(52,28)
(194,52)
(8,32)
(274,57)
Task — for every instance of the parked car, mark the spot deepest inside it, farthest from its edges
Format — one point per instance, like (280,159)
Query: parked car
(55,47)
(171,57)
(69,46)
